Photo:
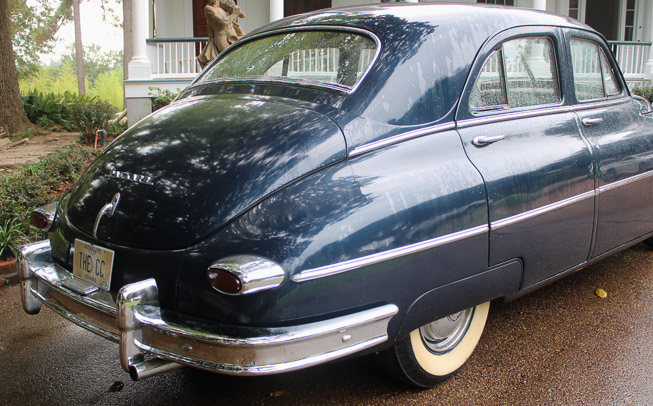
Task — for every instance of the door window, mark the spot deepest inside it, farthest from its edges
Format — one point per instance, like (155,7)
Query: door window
(593,76)
(523,72)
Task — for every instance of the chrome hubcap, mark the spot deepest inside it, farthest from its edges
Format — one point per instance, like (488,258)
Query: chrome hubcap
(445,334)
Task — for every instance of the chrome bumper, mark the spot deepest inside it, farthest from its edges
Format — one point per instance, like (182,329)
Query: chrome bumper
(135,320)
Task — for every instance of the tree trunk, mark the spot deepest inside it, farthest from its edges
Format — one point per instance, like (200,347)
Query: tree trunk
(12,114)
(79,50)
(128,43)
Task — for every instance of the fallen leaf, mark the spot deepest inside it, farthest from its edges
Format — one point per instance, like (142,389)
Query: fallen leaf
(601,293)
(277,394)
(117,386)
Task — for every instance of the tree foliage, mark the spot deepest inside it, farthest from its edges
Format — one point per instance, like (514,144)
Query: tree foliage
(104,76)
(96,61)
(33,29)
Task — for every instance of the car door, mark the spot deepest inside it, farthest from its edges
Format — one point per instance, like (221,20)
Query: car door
(622,141)
(519,132)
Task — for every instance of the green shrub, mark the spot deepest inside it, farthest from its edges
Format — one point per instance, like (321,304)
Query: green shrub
(161,97)
(48,109)
(39,183)
(644,91)
(108,86)
(11,238)
(88,117)
(116,128)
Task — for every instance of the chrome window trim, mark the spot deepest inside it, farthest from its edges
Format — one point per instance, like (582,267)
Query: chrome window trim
(624,182)
(338,87)
(349,265)
(395,139)
(495,225)
(594,104)
(273,81)
(514,115)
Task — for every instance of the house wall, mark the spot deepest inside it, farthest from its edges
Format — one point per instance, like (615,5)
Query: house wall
(174,18)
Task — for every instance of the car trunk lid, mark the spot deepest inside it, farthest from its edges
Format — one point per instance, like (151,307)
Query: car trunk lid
(194,165)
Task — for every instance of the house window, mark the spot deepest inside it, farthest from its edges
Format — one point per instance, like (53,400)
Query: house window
(574,9)
(629,27)
(502,2)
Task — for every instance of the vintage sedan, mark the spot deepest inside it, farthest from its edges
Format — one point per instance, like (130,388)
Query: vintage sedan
(352,181)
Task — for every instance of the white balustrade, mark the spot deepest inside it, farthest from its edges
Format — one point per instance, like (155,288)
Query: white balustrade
(175,57)
(631,57)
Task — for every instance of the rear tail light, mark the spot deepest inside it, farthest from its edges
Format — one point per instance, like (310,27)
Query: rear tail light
(43,217)
(244,274)
(224,281)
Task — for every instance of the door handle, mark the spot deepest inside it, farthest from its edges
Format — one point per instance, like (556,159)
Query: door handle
(483,140)
(588,122)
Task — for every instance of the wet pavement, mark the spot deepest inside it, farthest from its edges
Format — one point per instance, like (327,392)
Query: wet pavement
(560,345)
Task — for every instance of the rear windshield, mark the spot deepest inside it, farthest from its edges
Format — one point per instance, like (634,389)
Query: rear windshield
(338,58)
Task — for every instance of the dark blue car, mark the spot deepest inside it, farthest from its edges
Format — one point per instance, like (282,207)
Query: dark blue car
(352,181)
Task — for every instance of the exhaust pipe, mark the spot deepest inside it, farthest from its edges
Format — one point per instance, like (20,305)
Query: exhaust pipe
(132,360)
(145,369)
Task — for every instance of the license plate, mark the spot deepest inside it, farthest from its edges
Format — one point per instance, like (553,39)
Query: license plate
(93,264)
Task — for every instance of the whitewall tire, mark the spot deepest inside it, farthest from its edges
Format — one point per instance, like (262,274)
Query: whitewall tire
(435,351)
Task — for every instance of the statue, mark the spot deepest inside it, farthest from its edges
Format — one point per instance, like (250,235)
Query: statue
(222,19)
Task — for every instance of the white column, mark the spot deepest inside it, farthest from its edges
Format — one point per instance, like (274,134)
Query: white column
(539,5)
(276,10)
(139,66)
(648,37)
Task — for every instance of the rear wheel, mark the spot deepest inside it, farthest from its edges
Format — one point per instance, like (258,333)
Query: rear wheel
(433,352)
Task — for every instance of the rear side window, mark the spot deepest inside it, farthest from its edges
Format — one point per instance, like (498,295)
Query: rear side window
(523,72)
(593,76)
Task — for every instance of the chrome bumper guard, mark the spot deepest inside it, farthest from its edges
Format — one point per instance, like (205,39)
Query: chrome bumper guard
(135,320)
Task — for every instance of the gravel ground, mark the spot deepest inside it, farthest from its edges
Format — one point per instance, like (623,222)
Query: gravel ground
(560,345)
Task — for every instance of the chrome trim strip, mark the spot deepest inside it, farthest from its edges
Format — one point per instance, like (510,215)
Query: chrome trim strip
(600,103)
(361,149)
(345,266)
(624,182)
(471,122)
(496,117)
(318,27)
(495,225)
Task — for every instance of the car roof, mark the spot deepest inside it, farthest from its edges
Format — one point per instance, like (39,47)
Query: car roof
(487,19)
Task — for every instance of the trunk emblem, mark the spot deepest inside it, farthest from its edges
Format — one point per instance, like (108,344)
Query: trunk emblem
(133,177)
(107,210)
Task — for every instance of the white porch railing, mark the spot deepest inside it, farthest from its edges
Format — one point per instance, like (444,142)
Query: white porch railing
(175,57)
(631,57)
